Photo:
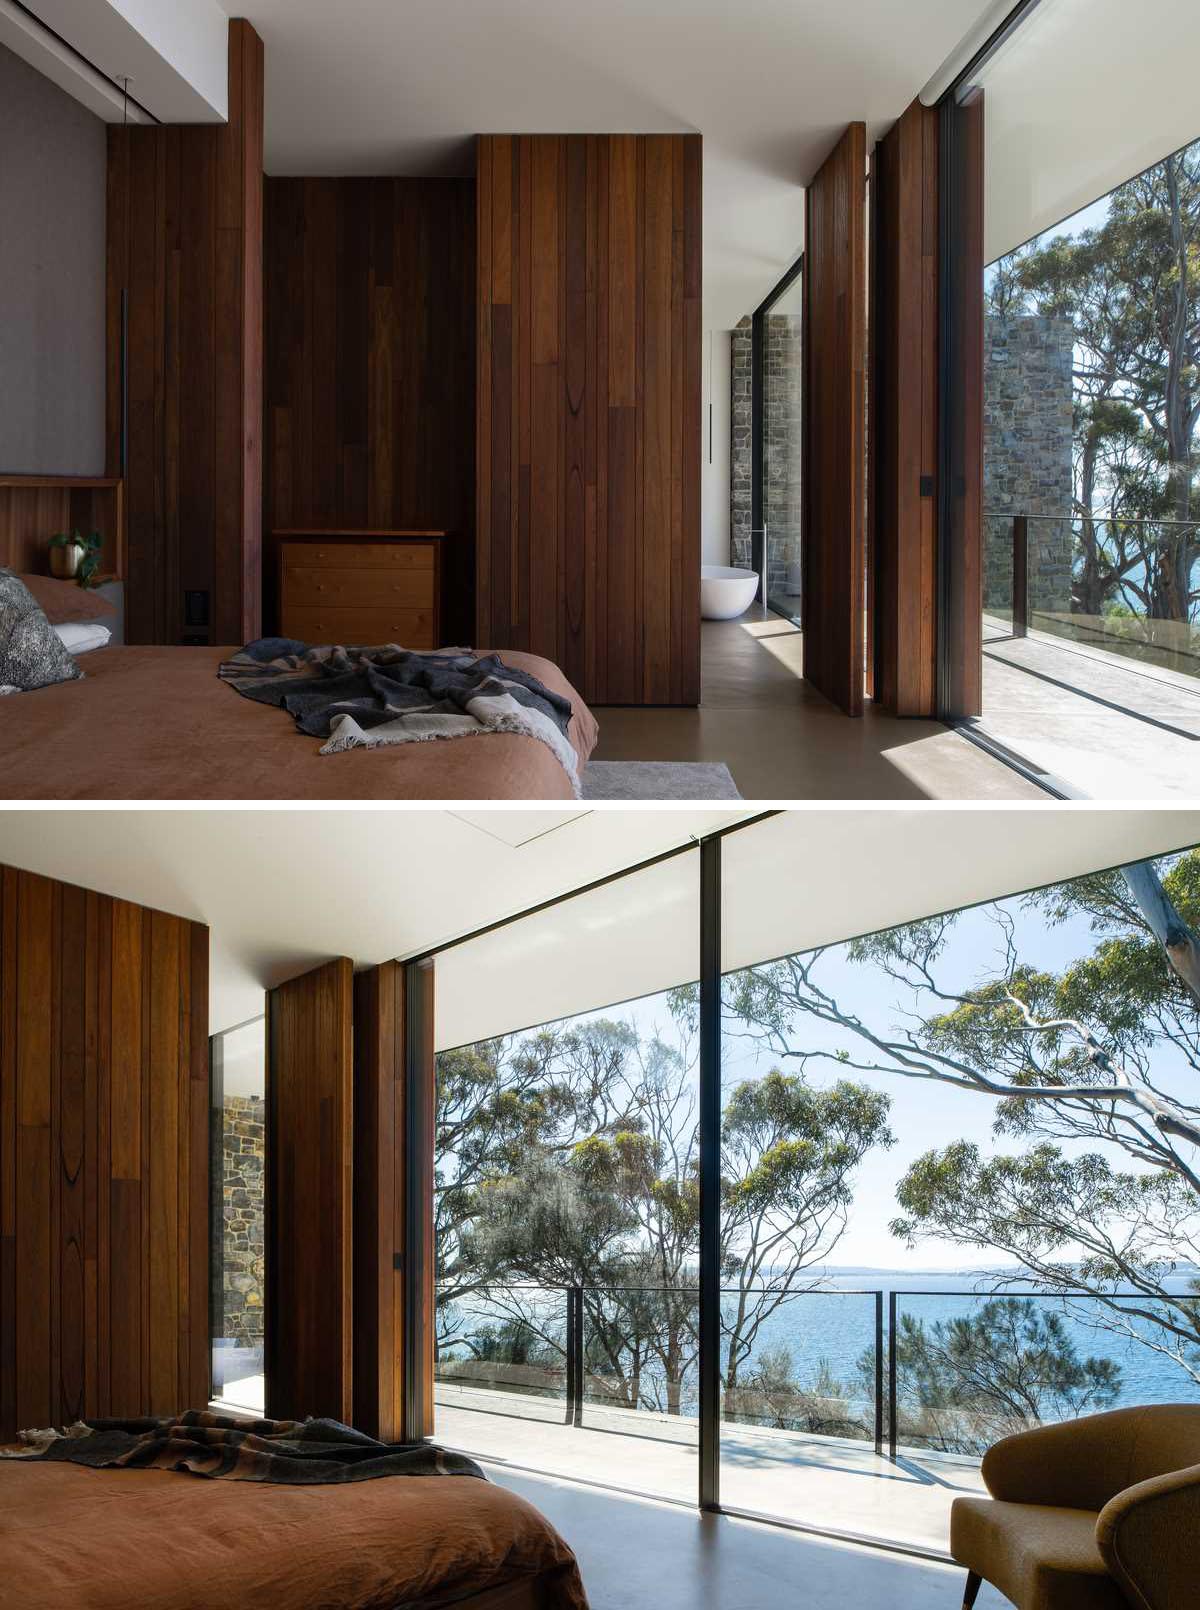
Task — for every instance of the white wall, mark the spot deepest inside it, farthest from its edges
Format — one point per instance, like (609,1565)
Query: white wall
(714,476)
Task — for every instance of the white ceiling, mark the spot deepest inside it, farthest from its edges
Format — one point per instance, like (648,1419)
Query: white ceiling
(371,86)
(284,889)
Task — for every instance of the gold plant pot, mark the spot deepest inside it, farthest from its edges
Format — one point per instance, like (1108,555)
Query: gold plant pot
(65,561)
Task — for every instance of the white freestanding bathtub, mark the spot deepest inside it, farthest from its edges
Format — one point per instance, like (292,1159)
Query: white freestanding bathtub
(725,591)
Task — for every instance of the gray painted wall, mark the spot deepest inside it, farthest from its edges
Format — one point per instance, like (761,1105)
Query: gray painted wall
(52,183)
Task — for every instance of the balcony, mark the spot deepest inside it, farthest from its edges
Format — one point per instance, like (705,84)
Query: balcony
(1092,651)
(844,1437)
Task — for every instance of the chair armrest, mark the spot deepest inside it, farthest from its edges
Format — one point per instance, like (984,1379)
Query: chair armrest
(1149,1538)
(1079,1464)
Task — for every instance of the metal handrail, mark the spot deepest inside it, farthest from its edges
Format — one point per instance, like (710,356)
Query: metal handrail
(574,1341)
(1098,519)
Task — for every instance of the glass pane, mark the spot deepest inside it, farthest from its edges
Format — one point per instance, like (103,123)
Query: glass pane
(782,448)
(238,1136)
(909,1207)
(1092,523)
(566,1206)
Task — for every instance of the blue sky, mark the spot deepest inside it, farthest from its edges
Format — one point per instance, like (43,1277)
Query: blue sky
(923,1114)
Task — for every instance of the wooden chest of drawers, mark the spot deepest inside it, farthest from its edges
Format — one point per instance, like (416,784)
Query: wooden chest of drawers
(361,587)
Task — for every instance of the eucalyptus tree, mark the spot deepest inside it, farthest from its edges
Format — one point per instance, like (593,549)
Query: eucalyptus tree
(1103,1053)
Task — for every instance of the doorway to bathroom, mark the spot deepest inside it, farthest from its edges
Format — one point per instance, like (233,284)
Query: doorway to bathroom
(776,439)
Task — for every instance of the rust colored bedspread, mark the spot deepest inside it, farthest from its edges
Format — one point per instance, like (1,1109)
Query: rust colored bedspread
(108,1539)
(155,723)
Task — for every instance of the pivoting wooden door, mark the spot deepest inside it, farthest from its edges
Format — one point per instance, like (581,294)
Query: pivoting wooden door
(834,407)
(589,436)
(309,1210)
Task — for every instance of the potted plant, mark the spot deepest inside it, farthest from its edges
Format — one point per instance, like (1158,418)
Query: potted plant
(75,557)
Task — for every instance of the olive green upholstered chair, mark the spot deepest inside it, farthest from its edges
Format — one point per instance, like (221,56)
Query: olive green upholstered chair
(1096,1514)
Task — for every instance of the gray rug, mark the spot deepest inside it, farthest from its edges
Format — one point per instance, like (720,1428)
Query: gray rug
(658,779)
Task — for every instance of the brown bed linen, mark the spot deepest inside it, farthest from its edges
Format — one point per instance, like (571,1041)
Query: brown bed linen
(106,1539)
(155,723)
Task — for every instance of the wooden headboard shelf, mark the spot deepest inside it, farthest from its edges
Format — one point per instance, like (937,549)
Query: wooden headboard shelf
(34,507)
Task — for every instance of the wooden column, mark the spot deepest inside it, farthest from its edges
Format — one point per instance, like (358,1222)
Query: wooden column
(185,228)
(834,421)
(904,414)
(394,1263)
(589,433)
(380,1186)
(104,1111)
(961,266)
(309,1212)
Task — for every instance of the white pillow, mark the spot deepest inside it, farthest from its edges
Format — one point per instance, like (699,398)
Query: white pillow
(77,637)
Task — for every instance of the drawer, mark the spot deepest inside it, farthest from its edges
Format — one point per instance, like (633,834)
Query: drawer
(357,555)
(410,628)
(357,589)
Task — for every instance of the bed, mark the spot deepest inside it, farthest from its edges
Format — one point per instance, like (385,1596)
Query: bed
(106,1539)
(155,723)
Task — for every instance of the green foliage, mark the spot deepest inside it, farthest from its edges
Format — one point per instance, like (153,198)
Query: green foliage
(1131,289)
(966,1381)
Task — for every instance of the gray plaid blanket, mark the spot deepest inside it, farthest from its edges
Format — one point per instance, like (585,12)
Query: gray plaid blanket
(358,698)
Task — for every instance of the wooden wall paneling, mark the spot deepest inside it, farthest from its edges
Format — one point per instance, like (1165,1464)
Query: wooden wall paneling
(904,441)
(420,1248)
(588,408)
(185,228)
(834,423)
(309,1212)
(370,364)
(961,535)
(103,1169)
(380,1186)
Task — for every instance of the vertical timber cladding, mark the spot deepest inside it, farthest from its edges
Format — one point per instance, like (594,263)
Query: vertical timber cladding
(589,401)
(104,1121)
(904,397)
(309,1209)
(834,423)
(185,245)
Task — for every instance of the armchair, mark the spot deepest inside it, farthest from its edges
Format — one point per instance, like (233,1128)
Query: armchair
(1095,1514)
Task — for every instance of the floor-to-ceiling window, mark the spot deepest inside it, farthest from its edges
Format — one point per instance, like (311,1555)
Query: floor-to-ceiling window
(776,337)
(566,1207)
(940,1212)
(917,1257)
(237,1138)
(1091,401)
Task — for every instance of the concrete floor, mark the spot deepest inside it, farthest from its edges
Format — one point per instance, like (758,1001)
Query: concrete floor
(813,1480)
(782,740)
(635,1554)
(1108,727)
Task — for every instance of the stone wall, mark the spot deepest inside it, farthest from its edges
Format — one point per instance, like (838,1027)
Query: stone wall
(781,445)
(741,375)
(1028,419)
(242,1184)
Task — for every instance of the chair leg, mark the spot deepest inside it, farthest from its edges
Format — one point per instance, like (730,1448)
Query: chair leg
(971,1591)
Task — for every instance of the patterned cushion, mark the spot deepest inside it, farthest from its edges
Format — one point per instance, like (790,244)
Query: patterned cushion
(31,653)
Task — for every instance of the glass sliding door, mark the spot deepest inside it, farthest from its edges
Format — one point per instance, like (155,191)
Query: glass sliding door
(566,1210)
(237,1137)
(777,446)
(900,1229)
(1089,227)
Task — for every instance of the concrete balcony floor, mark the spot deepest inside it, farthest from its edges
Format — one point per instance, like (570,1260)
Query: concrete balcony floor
(819,1481)
(1108,726)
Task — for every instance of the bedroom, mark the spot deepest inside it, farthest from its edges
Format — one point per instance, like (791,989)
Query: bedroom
(523,1159)
(298,348)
